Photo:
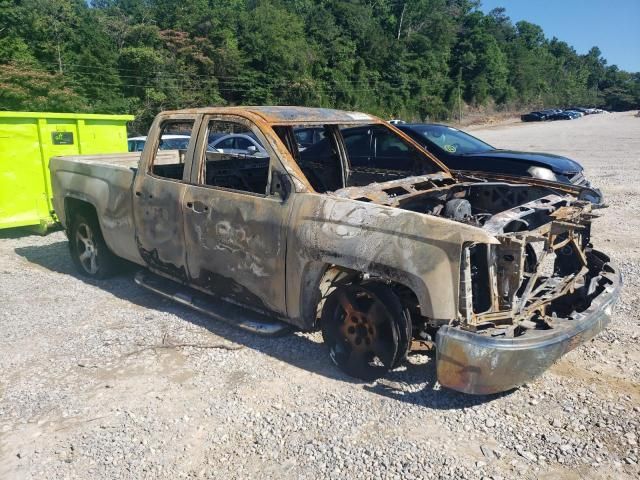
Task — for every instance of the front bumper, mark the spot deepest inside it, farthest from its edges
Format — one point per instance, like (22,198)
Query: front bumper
(480,365)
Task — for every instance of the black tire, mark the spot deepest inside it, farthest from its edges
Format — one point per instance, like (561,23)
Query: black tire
(89,251)
(360,329)
(402,319)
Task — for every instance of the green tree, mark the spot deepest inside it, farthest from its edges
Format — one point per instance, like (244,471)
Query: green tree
(406,58)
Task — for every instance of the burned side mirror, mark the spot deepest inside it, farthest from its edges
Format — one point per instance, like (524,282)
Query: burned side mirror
(280,185)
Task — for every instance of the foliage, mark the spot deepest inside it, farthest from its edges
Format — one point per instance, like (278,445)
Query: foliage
(24,88)
(416,59)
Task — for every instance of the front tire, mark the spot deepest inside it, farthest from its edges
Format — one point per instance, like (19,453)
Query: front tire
(89,251)
(361,329)
(401,316)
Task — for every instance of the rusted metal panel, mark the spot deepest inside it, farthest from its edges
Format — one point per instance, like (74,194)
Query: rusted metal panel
(159,220)
(293,115)
(158,203)
(236,240)
(236,247)
(274,115)
(416,250)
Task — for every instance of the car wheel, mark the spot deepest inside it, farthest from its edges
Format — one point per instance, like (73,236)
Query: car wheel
(402,319)
(88,249)
(360,328)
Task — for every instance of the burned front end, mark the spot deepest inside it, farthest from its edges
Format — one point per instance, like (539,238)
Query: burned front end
(533,293)
(526,301)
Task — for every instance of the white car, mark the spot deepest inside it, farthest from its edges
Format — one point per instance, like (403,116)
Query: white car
(396,121)
(238,143)
(167,142)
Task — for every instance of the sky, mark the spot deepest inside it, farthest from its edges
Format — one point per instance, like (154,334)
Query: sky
(611,25)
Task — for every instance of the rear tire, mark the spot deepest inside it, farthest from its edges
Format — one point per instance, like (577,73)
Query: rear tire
(89,252)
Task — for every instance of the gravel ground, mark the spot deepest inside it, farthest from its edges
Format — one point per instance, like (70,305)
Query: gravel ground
(85,393)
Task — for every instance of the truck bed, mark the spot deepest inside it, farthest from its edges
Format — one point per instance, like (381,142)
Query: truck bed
(104,181)
(125,160)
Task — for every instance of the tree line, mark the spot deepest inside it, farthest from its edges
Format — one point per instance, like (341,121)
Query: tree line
(414,59)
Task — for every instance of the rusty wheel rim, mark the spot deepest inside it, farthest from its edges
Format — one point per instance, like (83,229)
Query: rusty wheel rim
(358,327)
(363,340)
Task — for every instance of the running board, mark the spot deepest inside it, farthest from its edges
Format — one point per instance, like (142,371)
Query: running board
(218,309)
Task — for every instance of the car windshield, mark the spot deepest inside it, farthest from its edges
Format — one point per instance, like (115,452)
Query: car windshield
(451,140)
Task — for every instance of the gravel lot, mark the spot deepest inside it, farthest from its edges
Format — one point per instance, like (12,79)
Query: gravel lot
(84,393)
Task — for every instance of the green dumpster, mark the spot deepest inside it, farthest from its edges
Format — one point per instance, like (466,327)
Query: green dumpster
(29,139)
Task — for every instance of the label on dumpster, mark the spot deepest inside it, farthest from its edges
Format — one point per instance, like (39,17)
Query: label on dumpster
(62,138)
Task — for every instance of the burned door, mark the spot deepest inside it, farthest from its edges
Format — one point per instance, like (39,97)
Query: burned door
(158,191)
(235,214)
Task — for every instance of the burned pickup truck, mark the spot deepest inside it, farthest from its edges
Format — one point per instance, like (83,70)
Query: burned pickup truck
(382,251)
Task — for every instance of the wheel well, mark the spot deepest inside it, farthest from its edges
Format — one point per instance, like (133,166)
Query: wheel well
(335,275)
(73,206)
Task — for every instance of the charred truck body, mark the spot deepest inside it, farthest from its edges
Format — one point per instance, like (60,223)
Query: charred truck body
(381,251)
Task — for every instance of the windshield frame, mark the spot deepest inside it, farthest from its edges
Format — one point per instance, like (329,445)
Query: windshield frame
(286,118)
(334,138)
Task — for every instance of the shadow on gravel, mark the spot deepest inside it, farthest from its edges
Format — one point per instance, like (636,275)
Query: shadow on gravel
(415,384)
(19,232)
(402,385)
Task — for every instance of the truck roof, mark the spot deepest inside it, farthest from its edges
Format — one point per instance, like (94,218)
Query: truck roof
(289,114)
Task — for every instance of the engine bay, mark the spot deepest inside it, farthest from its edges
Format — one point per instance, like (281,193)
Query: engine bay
(543,271)
(499,207)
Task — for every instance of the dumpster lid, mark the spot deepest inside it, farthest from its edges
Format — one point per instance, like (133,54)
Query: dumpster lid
(70,116)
